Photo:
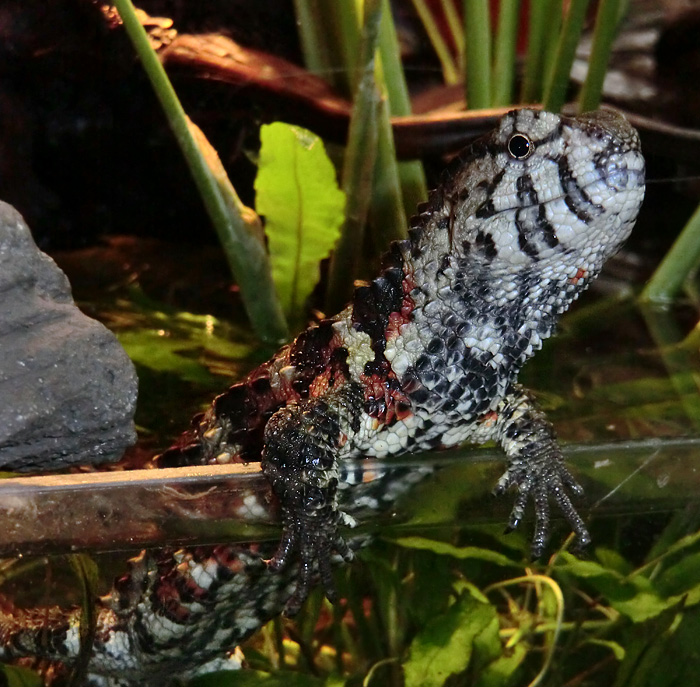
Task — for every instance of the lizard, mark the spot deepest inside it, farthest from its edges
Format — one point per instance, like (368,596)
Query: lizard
(425,356)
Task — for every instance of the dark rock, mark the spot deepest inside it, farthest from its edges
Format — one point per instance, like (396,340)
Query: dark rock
(67,388)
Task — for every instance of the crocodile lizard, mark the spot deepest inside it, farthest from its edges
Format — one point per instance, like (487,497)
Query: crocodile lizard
(425,356)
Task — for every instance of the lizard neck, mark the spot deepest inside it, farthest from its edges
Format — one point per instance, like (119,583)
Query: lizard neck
(516,308)
(472,328)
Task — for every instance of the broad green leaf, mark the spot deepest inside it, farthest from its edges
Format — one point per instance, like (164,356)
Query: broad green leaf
(581,568)
(612,560)
(154,350)
(444,646)
(642,606)
(297,192)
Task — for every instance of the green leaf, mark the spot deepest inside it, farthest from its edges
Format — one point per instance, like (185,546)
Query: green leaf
(613,560)
(444,646)
(15,676)
(194,348)
(680,577)
(663,652)
(642,606)
(461,552)
(488,651)
(503,671)
(297,192)
(635,597)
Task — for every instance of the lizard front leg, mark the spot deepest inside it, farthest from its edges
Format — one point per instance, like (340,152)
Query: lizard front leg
(535,467)
(302,441)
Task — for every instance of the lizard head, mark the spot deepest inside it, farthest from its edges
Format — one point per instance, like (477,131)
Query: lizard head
(544,189)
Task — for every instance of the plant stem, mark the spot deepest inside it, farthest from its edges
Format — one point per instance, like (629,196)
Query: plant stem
(604,34)
(387,212)
(454,24)
(412,181)
(477,32)
(346,22)
(328,33)
(532,81)
(555,11)
(504,53)
(683,257)
(358,165)
(313,45)
(238,232)
(450,71)
(558,80)
(387,209)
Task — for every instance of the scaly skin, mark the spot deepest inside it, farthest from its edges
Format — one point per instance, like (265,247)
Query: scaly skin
(427,355)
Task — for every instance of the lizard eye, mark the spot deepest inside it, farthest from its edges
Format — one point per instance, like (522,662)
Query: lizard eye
(520,147)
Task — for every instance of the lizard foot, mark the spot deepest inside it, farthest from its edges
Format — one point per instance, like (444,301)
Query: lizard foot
(541,479)
(313,541)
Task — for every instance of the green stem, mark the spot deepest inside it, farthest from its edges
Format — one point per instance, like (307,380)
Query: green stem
(387,212)
(345,19)
(558,80)
(532,80)
(238,234)
(504,53)
(454,24)
(411,176)
(450,72)
(328,33)
(313,45)
(85,570)
(604,34)
(477,32)
(358,166)
(551,40)
(683,257)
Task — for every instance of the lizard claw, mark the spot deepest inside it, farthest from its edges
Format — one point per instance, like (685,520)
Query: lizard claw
(313,541)
(542,480)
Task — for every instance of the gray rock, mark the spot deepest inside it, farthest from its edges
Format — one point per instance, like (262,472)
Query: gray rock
(67,388)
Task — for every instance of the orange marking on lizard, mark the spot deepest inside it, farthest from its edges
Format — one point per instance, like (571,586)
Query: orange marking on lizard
(489,419)
(580,274)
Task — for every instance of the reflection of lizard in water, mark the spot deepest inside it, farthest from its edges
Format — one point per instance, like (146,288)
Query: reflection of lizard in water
(427,355)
